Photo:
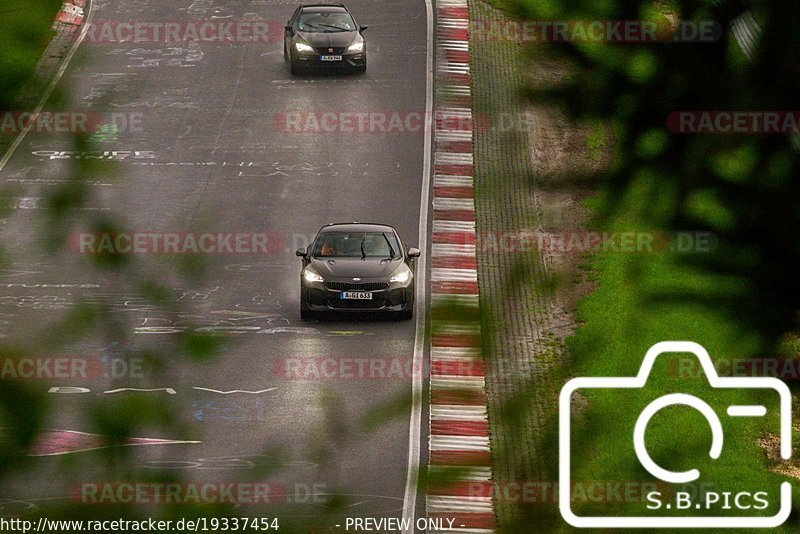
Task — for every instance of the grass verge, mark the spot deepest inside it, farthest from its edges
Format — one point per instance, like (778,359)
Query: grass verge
(640,298)
(27,33)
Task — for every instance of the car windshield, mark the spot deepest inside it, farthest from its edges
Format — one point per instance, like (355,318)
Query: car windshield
(349,245)
(326,22)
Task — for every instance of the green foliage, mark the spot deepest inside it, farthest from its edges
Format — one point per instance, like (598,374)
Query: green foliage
(26,409)
(739,299)
(21,48)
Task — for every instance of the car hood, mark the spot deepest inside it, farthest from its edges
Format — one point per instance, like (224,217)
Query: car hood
(332,39)
(355,267)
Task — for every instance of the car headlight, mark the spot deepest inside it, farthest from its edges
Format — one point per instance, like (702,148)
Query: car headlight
(402,275)
(311,277)
(358,47)
(303,47)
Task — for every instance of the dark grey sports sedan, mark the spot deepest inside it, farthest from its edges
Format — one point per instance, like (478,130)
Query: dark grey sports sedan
(324,35)
(357,267)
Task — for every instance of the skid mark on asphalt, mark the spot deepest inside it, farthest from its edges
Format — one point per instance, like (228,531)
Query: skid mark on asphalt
(233,462)
(261,314)
(346,333)
(10,273)
(60,442)
(173,56)
(103,86)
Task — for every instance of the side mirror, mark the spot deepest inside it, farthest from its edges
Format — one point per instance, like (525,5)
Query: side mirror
(413,253)
(288,28)
(363,27)
(300,252)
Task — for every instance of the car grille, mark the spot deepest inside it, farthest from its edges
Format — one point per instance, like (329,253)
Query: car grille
(347,286)
(357,304)
(325,50)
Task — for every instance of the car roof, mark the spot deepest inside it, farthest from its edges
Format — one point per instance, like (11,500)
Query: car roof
(324,8)
(356,227)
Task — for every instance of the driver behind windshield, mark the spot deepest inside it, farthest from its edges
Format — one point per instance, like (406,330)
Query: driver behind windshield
(355,245)
(326,22)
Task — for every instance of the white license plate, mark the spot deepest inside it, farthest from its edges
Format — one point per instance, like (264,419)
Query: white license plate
(330,58)
(355,295)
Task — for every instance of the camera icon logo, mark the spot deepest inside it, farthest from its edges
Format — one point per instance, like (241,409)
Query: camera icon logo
(703,519)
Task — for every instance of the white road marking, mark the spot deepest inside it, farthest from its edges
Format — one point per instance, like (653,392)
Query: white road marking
(454,45)
(449,504)
(445,134)
(415,419)
(451,66)
(458,412)
(454,226)
(458,382)
(455,252)
(236,391)
(459,443)
(449,110)
(453,23)
(453,275)
(456,354)
(445,180)
(453,158)
(454,204)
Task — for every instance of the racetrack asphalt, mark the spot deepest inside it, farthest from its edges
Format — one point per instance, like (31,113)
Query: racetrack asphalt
(210,154)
